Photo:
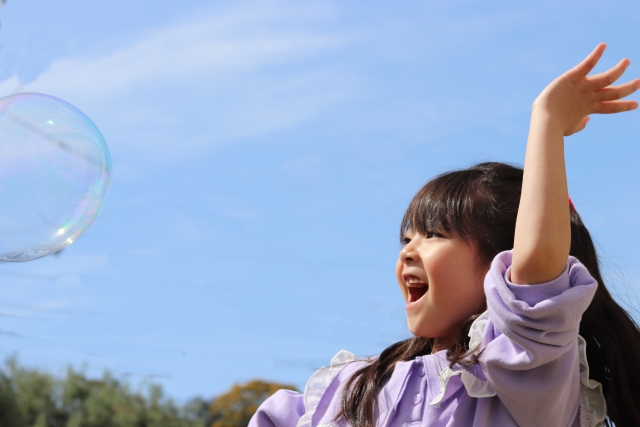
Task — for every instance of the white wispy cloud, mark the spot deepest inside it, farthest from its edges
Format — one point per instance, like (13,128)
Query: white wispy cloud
(187,51)
(227,74)
(256,67)
(64,265)
(50,286)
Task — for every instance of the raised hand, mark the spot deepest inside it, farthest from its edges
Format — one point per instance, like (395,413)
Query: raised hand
(574,95)
(543,228)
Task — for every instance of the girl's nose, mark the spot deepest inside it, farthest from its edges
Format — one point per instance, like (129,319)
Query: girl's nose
(407,253)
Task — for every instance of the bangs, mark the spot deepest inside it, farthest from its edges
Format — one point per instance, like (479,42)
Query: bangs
(480,204)
(444,204)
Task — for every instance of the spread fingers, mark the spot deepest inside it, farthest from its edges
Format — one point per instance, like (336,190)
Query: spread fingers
(581,70)
(611,107)
(610,76)
(617,92)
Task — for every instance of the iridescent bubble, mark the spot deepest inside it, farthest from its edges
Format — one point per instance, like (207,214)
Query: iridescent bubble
(54,175)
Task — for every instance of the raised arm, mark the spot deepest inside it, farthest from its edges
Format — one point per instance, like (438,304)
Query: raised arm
(543,233)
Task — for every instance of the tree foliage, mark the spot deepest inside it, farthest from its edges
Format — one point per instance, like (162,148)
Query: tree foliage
(36,399)
(31,398)
(235,408)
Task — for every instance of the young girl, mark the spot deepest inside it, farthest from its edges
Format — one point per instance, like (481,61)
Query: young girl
(512,323)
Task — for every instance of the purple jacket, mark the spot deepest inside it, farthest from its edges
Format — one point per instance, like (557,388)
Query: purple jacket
(533,370)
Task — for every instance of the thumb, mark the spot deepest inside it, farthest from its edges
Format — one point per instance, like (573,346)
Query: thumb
(580,126)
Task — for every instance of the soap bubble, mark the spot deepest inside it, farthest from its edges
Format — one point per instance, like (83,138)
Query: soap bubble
(54,175)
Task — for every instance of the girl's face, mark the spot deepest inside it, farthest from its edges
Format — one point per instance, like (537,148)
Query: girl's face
(439,281)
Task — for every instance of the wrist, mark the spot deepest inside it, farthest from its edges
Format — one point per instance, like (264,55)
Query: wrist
(543,117)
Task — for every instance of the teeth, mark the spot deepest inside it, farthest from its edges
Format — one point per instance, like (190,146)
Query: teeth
(415,281)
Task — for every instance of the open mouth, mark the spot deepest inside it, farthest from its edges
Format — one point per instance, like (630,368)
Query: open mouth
(416,287)
(415,292)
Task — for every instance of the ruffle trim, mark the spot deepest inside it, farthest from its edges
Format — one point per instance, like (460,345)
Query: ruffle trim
(474,385)
(318,383)
(593,407)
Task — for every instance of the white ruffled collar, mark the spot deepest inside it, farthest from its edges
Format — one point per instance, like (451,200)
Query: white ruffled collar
(593,407)
(319,382)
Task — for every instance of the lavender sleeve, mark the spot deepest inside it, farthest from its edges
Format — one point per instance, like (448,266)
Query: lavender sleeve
(284,408)
(531,342)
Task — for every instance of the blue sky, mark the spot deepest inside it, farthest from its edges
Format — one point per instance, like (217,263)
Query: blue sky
(263,155)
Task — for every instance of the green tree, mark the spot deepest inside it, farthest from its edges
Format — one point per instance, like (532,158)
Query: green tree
(10,415)
(236,407)
(30,398)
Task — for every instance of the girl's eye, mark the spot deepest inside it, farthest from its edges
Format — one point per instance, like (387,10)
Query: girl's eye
(432,234)
(405,241)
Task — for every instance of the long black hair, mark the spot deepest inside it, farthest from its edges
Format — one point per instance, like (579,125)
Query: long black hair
(481,204)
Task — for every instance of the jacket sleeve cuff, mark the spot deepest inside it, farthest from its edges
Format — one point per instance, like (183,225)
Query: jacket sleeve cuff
(534,293)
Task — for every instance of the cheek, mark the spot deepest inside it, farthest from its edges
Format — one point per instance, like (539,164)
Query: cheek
(466,288)
(399,278)
(442,267)
(453,276)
